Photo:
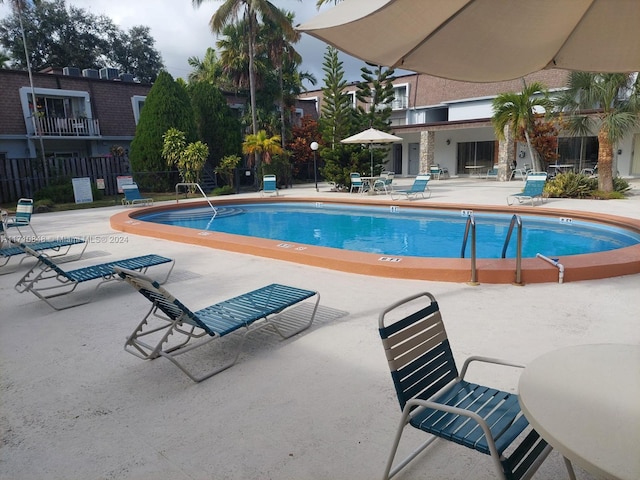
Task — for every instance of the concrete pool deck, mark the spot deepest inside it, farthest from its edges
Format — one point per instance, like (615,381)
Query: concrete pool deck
(321,405)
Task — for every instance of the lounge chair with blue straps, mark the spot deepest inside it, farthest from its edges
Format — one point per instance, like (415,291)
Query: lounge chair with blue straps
(419,187)
(439,401)
(55,248)
(133,197)
(269,185)
(533,189)
(48,280)
(170,328)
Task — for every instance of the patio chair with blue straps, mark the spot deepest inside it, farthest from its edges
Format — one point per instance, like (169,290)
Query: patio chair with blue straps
(419,187)
(55,248)
(48,280)
(533,189)
(384,183)
(170,328)
(438,172)
(22,218)
(437,400)
(133,197)
(269,185)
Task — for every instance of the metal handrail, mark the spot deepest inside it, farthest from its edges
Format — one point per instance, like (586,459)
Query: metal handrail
(215,211)
(515,220)
(470,226)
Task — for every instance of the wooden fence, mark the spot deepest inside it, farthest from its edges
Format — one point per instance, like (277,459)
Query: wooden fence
(23,177)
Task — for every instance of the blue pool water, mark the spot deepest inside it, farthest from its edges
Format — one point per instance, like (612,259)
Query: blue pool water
(400,231)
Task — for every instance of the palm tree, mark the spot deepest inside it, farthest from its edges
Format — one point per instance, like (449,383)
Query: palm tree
(606,102)
(280,50)
(206,70)
(261,144)
(518,111)
(250,11)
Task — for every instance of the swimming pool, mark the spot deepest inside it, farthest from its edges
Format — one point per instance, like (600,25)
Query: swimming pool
(400,231)
(577,266)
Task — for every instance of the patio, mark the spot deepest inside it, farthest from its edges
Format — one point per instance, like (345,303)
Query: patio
(319,405)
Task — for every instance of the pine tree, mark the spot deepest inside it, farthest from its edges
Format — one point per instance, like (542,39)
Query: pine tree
(167,106)
(216,124)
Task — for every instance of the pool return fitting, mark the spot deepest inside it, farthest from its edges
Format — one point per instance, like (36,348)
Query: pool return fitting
(555,263)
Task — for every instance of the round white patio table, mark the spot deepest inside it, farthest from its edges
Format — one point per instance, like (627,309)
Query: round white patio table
(585,402)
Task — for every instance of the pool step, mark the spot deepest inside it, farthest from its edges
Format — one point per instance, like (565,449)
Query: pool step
(199,214)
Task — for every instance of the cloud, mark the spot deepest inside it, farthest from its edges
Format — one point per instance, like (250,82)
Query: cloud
(181,31)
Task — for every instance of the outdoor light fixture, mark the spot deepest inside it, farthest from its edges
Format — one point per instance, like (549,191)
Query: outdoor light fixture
(448,141)
(314,146)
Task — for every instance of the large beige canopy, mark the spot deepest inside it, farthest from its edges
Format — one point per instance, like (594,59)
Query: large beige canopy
(485,40)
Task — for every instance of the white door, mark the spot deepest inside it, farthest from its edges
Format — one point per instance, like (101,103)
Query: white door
(414,158)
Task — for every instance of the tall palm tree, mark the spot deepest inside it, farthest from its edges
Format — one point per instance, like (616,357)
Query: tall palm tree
(608,103)
(280,50)
(518,111)
(250,11)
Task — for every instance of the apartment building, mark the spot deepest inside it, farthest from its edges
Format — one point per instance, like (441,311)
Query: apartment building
(448,122)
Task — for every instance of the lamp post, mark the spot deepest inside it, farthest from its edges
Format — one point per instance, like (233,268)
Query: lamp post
(314,146)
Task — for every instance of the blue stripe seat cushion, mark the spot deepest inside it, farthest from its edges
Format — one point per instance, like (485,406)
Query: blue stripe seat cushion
(106,269)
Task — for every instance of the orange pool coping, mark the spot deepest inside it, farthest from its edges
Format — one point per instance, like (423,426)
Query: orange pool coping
(623,261)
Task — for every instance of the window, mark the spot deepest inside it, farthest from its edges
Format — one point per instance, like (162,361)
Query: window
(579,151)
(477,154)
(352,99)
(137,102)
(401,97)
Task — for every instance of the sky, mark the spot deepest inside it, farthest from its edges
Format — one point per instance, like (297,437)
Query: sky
(182,31)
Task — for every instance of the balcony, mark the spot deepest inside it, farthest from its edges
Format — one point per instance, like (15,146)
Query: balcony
(67,127)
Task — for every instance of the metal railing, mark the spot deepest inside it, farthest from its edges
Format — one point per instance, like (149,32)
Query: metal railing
(470,227)
(197,185)
(66,127)
(515,220)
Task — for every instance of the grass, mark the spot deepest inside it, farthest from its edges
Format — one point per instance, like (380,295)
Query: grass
(107,201)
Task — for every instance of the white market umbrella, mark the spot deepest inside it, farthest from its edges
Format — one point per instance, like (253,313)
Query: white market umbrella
(485,40)
(369,137)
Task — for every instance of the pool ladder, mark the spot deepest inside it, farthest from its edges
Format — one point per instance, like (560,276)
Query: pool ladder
(515,221)
(471,227)
(187,184)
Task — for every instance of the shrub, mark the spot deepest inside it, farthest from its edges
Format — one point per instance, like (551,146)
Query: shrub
(576,185)
(571,185)
(62,192)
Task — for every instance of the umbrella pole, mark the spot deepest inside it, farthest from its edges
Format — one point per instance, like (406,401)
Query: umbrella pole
(371,156)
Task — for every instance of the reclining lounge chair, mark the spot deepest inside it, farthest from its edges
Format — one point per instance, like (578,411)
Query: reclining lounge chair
(533,189)
(419,187)
(48,280)
(132,196)
(58,248)
(169,320)
(439,401)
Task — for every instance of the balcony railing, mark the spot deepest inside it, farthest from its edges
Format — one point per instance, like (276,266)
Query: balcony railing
(67,127)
